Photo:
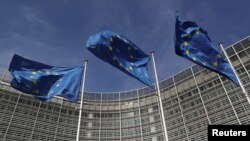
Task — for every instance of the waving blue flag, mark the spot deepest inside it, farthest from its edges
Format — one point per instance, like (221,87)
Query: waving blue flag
(120,53)
(194,44)
(44,81)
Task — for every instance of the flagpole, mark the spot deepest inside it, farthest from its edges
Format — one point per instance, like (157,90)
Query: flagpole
(159,99)
(81,103)
(241,85)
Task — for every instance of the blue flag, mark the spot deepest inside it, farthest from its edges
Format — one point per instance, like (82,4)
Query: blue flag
(44,81)
(194,44)
(120,53)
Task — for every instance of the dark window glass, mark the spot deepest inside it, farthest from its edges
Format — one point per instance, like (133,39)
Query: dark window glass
(195,69)
(233,58)
(104,96)
(98,96)
(230,51)
(242,54)
(116,96)
(238,47)
(123,95)
(246,42)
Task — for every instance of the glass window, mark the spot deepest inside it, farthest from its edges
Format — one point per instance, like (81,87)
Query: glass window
(122,95)
(176,78)
(110,96)
(234,58)
(195,69)
(242,54)
(188,72)
(230,51)
(246,42)
(104,96)
(238,47)
(98,96)
(116,96)
(182,75)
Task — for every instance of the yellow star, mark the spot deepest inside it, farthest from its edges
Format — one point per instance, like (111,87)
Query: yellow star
(185,43)
(114,58)
(219,56)
(110,48)
(197,32)
(120,65)
(131,56)
(187,52)
(34,82)
(190,36)
(215,64)
(36,91)
(47,72)
(130,68)
(129,48)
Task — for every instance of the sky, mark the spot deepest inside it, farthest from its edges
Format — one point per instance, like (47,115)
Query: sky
(55,32)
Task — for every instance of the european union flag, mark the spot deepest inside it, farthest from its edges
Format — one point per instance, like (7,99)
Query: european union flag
(194,44)
(44,81)
(120,53)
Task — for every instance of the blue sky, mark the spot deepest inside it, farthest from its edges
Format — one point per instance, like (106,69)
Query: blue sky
(55,32)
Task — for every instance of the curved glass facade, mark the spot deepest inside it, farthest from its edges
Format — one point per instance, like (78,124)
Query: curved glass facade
(134,115)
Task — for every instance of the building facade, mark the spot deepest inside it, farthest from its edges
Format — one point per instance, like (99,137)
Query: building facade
(191,99)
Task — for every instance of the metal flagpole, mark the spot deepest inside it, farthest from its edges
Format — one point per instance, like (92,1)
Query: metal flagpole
(242,87)
(159,98)
(80,112)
